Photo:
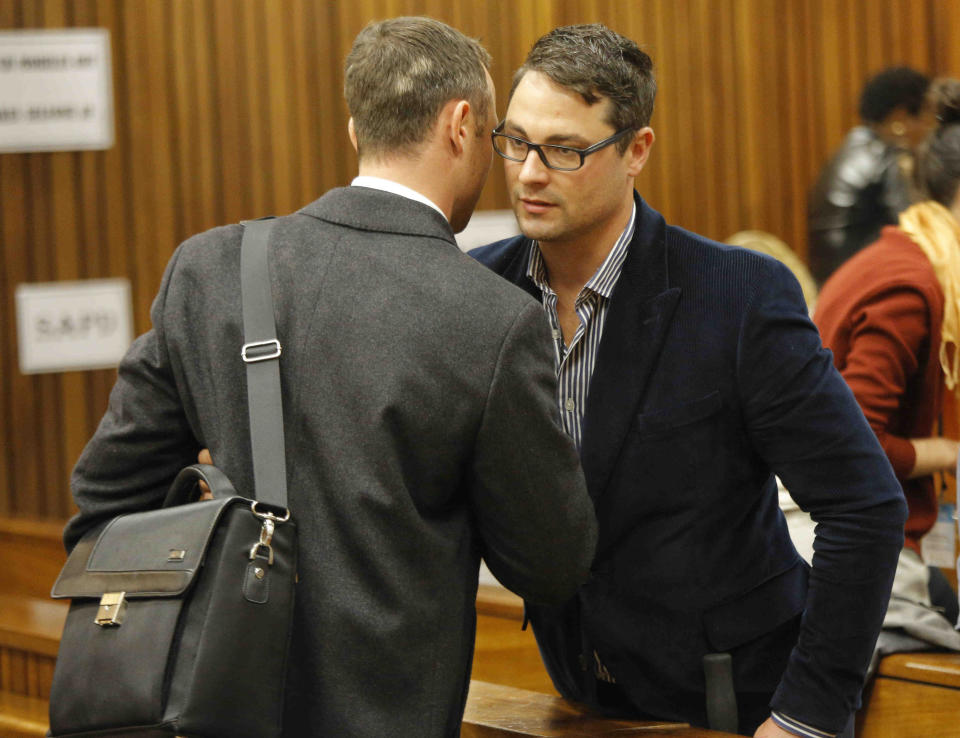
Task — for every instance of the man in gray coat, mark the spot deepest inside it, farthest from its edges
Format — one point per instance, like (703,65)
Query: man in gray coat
(418,396)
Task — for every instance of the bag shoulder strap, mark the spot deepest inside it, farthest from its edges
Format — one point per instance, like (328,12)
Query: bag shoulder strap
(261,353)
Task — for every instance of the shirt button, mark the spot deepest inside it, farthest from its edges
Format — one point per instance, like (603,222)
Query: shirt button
(570,404)
(556,334)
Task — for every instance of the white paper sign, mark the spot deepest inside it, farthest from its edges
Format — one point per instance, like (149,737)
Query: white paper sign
(56,92)
(66,326)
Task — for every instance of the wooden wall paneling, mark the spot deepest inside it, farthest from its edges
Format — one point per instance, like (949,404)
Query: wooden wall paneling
(774,172)
(716,114)
(879,43)
(663,191)
(810,149)
(190,127)
(227,109)
(920,37)
(749,83)
(348,18)
(944,30)
(335,160)
(40,416)
(113,213)
(280,104)
(146,118)
(204,122)
(94,265)
(19,426)
(477,20)
(165,201)
(109,208)
(683,97)
(654,184)
(502,39)
(303,156)
(796,92)
(716,117)
(231,137)
(66,419)
(256,97)
(834,74)
(11,245)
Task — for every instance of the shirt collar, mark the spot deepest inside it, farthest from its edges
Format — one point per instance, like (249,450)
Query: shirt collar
(605,278)
(387,185)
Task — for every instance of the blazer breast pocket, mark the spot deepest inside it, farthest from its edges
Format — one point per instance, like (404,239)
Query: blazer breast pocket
(675,420)
(667,464)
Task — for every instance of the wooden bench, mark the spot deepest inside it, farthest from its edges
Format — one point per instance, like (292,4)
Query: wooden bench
(22,717)
(30,622)
(32,554)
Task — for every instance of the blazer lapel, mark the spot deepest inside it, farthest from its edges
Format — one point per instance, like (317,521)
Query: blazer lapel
(641,309)
(516,269)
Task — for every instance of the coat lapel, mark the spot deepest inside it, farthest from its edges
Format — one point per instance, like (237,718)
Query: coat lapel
(641,309)
(516,270)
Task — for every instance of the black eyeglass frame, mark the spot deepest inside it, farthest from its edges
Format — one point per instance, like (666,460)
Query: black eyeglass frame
(584,153)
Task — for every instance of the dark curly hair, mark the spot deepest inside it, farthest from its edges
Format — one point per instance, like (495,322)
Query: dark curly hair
(896,87)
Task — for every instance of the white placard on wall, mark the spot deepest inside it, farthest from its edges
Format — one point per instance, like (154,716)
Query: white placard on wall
(69,326)
(56,92)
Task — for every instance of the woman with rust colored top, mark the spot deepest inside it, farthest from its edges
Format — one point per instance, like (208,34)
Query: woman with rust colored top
(891,315)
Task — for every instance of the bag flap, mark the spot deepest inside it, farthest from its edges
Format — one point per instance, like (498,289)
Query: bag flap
(144,554)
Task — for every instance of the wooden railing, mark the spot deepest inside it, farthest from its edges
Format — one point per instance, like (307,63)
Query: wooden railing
(31,555)
(915,694)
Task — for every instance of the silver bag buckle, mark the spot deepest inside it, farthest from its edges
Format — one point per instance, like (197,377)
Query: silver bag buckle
(256,347)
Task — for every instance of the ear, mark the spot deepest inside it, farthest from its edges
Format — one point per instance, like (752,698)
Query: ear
(457,124)
(351,131)
(639,150)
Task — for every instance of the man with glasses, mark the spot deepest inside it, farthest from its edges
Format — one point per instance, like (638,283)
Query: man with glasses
(689,374)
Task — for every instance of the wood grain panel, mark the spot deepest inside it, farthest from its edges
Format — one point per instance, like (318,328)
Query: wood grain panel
(229,109)
(903,709)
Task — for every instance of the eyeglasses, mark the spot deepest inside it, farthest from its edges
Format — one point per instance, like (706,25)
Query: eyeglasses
(561,158)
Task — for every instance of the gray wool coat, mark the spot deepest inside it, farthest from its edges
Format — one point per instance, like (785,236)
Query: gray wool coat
(421,434)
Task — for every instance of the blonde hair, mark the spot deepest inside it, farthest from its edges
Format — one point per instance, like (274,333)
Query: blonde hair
(934,229)
(767,243)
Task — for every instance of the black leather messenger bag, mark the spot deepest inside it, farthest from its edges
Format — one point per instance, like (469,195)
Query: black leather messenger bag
(180,617)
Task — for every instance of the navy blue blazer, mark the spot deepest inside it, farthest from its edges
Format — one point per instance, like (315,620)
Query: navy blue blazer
(710,379)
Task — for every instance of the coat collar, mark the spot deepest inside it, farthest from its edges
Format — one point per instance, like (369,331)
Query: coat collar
(368,209)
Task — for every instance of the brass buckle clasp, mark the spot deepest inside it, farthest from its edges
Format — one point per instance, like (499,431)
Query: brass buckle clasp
(113,608)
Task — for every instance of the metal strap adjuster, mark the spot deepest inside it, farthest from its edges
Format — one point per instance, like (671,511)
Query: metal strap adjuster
(247,347)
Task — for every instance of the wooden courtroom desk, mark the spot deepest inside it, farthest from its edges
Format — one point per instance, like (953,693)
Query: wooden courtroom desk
(915,695)
(512,695)
(499,711)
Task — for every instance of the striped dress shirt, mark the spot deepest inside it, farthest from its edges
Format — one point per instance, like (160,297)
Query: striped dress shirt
(574,363)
